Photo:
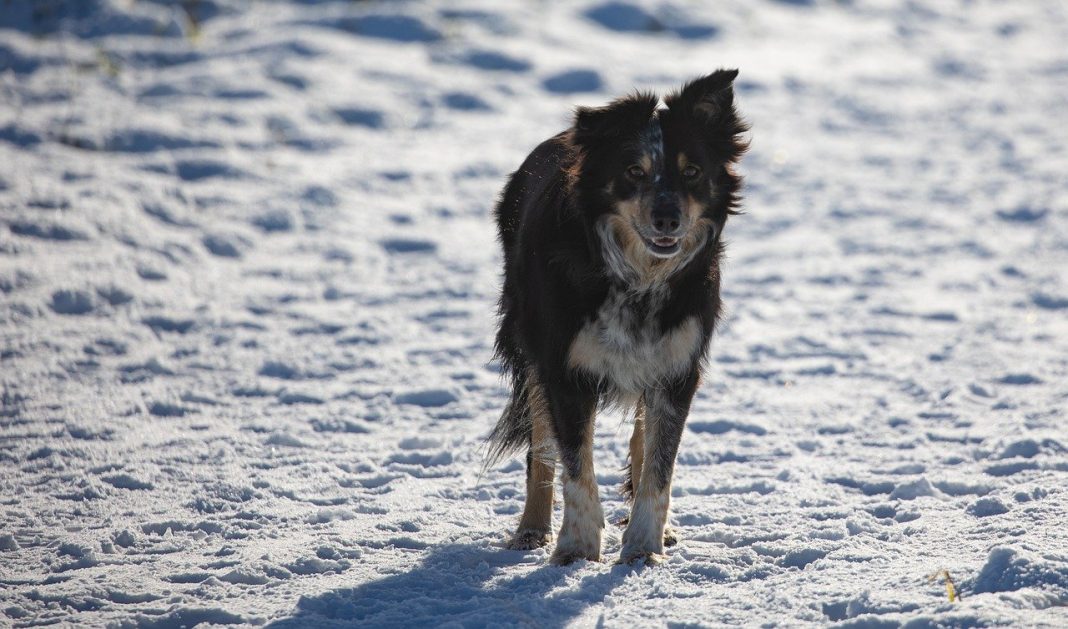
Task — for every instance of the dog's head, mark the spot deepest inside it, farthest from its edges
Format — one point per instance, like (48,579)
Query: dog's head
(660,182)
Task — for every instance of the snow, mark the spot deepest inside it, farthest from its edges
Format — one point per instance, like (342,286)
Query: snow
(247,286)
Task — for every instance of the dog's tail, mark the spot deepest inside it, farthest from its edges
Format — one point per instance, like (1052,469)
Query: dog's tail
(514,428)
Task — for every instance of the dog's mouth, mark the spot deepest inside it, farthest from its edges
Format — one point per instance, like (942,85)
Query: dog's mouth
(663,246)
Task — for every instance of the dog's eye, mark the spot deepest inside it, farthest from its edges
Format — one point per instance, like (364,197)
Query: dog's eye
(691,172)
(636,172)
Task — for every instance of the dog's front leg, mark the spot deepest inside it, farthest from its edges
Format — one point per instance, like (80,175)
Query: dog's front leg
(665,417)
(573,417)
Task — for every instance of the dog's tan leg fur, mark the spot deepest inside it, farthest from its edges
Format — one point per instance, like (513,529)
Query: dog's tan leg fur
(536,526)
(580,533)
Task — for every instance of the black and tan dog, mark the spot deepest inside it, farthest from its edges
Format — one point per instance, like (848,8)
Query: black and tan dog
(612,240)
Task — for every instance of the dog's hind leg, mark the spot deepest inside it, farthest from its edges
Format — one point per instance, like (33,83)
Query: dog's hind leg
(666,410)
(536,526)
(580,533)
(637,452)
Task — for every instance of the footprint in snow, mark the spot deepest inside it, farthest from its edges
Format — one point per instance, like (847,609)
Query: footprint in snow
(408,245)
(1023,214)
(226,245)
(720,427)
(426,397)
(114,295)
(150,141)
(163,323)
(463,101)
(291,79)
(72,302)
(494,61)
(1019,379)
(126,481)
(392,27)
(164,214)
(624,17)
(1049,302)
(199,169)
(167,409)
(150,273)
(573,82)
(46,230)
(13,134)
(290,398)
(361,117)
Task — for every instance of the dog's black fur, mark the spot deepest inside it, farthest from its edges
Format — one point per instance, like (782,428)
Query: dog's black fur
(611,233)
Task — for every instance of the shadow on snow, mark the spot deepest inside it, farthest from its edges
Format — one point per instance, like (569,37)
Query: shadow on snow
(463,585)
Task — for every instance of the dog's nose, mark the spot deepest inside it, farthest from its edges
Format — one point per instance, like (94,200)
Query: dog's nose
(666,220)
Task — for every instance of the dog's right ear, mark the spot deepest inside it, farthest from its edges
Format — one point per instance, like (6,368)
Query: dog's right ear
(710,97)
(621,117)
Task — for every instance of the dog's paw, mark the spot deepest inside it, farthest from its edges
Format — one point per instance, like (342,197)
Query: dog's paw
(529,539)
(579,538)
(567,556)
(671,536)
(632,557)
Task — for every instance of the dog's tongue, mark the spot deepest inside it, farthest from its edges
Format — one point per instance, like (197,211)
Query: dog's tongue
(665,241)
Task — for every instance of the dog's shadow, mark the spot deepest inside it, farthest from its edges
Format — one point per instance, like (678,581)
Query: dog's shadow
(463,585)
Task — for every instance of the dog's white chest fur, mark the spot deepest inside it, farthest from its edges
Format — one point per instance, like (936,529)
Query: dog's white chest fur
(625,347)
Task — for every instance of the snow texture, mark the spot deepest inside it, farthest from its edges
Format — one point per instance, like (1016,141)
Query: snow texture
(248,275)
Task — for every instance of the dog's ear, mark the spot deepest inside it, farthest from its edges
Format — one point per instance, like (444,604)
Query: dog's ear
(617,119)
(710,98)
(709,102)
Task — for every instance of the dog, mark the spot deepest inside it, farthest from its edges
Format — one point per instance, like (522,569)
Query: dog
(612,239)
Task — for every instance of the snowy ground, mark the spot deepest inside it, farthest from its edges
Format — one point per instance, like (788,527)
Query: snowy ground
(248,275)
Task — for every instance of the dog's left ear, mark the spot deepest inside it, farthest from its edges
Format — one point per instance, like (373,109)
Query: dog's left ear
(710,97)
(619,118)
